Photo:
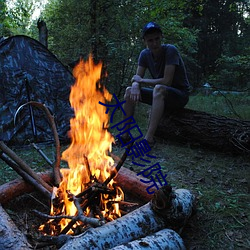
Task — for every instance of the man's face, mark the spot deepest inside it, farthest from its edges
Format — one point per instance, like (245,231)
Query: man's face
(153,40)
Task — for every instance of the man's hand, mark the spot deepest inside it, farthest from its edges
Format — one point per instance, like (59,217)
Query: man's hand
(135,93)
(136,78)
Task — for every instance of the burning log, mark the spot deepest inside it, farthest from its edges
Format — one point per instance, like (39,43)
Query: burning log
(163,239)
(165,210)
(10,237)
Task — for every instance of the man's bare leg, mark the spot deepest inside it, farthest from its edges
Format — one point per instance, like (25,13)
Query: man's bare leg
(156,111)
(129,106)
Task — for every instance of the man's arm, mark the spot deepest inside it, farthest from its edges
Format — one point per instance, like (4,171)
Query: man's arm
(135,93)
(166,80)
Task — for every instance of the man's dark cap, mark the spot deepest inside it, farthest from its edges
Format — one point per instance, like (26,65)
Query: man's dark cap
(150,27)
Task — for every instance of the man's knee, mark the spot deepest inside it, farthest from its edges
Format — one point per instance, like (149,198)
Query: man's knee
(159,91)
(127,93)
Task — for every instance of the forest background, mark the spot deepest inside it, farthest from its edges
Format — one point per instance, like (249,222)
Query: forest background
(213,36)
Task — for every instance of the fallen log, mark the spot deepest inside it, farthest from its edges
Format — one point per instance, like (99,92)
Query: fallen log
(163,239)
(10,237)
(127,179)
(212,131)
(18,187)
(148,219)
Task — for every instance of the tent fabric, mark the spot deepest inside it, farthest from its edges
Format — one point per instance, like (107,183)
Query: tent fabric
(30,72)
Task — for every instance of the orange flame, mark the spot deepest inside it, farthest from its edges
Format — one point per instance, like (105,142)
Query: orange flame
(87,156)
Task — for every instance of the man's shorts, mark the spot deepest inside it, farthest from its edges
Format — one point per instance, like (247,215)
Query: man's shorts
(175,99)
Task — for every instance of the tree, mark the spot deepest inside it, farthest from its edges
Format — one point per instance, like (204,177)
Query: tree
(223,31)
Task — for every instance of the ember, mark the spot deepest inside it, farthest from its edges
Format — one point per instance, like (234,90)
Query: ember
(87,189)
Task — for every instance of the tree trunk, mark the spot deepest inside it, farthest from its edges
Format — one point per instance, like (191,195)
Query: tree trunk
(167,209)
(10,237)
(43,32)
(212,131)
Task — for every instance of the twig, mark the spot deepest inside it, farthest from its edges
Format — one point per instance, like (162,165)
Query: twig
(119,164)
(42,154)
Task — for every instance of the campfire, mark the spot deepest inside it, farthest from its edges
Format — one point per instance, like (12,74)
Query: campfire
(86,188)
(87,198)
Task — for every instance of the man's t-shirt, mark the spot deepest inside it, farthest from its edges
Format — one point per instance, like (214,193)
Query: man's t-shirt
(171,56)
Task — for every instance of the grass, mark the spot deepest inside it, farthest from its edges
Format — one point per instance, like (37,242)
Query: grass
(220,181)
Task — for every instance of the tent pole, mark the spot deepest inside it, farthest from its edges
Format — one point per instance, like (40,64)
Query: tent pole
(33,125)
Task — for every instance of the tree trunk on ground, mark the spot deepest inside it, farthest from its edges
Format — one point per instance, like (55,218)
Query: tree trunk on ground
(212,131)
(167,209)
(10,237)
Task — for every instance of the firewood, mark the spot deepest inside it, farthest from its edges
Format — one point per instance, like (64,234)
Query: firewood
(148,219)
(163,239)
(26,176)
(10,237)
(13,156)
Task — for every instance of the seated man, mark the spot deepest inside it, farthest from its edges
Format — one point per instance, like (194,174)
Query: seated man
(169,84)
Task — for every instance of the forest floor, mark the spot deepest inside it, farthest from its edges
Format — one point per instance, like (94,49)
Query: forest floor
(219,180)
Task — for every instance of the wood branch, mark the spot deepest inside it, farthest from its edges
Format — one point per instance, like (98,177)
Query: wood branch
(163,239)
(119,164)
(143,221)
(26,176)
(212,131)
(10,237)
(11,154)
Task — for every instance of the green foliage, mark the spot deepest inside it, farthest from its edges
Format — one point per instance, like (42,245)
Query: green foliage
(212,36)
(233,72)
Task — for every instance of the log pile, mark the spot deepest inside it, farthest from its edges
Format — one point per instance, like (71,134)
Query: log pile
(167,209)
(211,131)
